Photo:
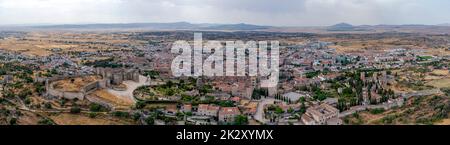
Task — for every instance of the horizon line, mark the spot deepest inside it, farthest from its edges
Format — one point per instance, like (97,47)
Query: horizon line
(196,23)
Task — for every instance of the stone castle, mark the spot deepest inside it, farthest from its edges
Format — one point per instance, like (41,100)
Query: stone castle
(110,77)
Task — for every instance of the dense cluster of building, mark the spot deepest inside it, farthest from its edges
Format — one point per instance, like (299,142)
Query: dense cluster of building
(311,65)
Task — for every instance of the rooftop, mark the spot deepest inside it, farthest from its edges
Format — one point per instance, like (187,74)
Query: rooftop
(229,111)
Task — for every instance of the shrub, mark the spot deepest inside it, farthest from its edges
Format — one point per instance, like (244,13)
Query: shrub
(97,108)
(48,105)
(136,116)
(121,114)
(27,101)
(140,105)
(241,120)
(46,121)
(75,110)
(13,121)
(377,111)
(92,115)
(150,121)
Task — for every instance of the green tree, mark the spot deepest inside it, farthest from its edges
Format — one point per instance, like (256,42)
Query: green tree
(121,114)
(46,121)
(75,110)
(48,105)
(241,120)
(39,88)
(278,110)
(24,94)
(140,104)
(150,121)
(94,107)
(92,115)
(226,103)
(136,116)
(13,121)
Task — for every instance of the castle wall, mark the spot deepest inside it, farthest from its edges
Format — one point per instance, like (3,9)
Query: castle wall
(92,86)
(53,93)
(68,95)
(99,101)
(110,76)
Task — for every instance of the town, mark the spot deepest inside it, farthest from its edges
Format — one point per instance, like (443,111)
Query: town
(125,78)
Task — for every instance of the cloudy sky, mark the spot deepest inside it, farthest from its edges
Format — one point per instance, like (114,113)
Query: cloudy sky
(262,12)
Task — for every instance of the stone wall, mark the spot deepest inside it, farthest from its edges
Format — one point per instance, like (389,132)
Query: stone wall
(109,75)
(100,102)
(54,78)
(54,93)
(91,87)
(393,103)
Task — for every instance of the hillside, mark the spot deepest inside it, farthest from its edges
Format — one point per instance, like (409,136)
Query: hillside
(422,111)
(156,26)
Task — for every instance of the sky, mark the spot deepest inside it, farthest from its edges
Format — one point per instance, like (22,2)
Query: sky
(261,12)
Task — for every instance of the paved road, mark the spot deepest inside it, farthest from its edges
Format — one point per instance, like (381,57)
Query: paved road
(131,86)
(260,111)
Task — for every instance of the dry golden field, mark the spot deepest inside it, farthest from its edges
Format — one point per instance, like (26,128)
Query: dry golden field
(43,43)
(118,102)
(80,119)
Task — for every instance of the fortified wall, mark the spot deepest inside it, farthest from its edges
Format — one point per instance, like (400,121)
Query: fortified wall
(80,95)
(110,78)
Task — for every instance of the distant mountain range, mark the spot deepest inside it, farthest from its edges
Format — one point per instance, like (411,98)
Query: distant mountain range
(337,28)
(345,27)
(158,26)
(342,25)
(445,24)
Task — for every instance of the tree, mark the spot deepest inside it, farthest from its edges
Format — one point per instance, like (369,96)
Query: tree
(27,101)
(96,107)
(140,104)
(9,94)
(121,114)
(28,79)
(63,101)
(302,100)
(40,89)
(226,104)
(150,121)
(278,110)
(240,120)
(13,121)
(258,93)
(320,95)
(170,84)
(290,110)
(24,94)
(75,110)
(92,115)
(136,116)
(303,108)
(47,105)
(46,121)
